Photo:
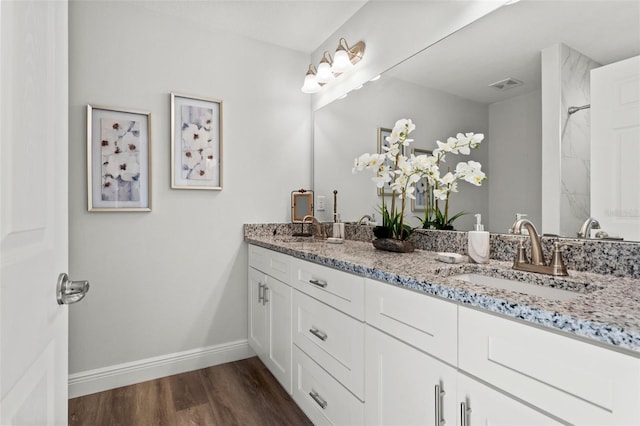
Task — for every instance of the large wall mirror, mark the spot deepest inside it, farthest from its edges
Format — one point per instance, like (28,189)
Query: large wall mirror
(445,89)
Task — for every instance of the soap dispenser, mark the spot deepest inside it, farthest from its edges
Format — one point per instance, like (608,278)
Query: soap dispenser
(478,248)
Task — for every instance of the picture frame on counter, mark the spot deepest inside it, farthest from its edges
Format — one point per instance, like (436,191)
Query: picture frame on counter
(118,159)
(196,142)
(423,191)
(383,132)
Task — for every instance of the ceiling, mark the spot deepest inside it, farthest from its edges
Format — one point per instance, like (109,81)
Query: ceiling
(507,43)
(301,25)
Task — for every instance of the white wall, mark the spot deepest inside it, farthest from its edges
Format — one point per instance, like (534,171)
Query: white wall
(516,160)
(348,127)
(174,279)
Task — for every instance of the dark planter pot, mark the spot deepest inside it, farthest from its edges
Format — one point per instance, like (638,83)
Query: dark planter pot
(391,244)
(381,232)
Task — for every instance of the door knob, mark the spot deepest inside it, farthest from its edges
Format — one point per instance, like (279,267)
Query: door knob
(68,292)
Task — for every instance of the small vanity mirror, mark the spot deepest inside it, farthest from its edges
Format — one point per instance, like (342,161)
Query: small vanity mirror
(301,205)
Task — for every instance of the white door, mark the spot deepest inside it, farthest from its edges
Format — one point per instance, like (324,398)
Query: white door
(33,211)
(615,148)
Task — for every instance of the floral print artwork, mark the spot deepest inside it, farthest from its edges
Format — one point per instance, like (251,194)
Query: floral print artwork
(120,159)
(198,161)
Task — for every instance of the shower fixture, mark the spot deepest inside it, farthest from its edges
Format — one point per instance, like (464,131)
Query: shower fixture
(575,109)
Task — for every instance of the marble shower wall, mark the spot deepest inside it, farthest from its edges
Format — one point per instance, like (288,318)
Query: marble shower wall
(576,140)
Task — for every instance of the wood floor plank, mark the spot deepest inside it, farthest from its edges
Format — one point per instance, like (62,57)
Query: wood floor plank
(82,411)
(228,396)
(154,404)
(187,390)
(271,402)
(199,415)
(238,393)
(115,408)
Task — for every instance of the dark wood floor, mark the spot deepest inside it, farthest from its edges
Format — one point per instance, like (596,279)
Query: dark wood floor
(238,393)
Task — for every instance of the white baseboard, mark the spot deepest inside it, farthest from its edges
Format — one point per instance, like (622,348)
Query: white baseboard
(101,379)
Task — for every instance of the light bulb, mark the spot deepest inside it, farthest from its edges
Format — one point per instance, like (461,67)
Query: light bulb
(324,72)
(310,84)
(341,61)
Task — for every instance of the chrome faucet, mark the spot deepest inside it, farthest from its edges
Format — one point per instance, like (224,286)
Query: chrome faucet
(537,257)
(587,226)
(537,263)
(318,228)
(364,216)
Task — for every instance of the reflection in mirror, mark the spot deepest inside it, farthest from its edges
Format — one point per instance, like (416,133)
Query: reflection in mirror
(301,205)
(446,89)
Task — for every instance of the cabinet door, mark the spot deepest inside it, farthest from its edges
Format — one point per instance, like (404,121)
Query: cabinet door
(404,385)
(278,305)
(479,404)
(257,313)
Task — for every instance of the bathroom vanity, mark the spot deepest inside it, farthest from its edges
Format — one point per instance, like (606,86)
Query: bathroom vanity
(359,336)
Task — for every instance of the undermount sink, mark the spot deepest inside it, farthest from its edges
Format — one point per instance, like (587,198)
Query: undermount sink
(519,286)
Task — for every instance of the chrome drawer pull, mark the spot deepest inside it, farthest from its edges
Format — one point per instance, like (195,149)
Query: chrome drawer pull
(318,399)
(464,414)
(319,334)
(438,405)
(319,283)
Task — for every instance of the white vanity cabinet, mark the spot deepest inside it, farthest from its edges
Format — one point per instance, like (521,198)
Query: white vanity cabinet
(575,381)
(270,311)
(411,377)
(328,337)
(358,351)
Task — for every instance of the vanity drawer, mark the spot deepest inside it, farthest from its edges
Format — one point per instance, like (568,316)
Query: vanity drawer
(270,262)
(578,382)
(321,397)
(332,339)
(339,289)
(423,321)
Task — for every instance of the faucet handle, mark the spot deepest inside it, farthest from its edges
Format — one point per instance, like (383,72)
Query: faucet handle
(521,254)
(557,263)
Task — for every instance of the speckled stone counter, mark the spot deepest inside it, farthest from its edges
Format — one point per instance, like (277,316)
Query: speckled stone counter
(607,310)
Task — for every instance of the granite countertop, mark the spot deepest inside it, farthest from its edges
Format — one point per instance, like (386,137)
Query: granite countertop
(606,311)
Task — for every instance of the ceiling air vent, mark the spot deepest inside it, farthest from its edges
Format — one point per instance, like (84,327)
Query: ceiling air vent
(507,83)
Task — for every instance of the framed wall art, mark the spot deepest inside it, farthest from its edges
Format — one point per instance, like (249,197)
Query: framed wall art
(382,142)
(423,193)
(118,159)
(196,142)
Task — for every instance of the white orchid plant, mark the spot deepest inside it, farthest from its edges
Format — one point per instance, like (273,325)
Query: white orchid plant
(402,173)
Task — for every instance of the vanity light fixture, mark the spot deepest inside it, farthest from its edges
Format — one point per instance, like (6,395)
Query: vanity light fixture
(325,75)
(329,68)
(310,81)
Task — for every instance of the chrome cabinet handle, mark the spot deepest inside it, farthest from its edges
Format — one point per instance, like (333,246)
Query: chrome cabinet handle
(439,393)
(464,414)
(264,294)
(68,292)
(319,334)
(260,293)
(318,399)
(319,283)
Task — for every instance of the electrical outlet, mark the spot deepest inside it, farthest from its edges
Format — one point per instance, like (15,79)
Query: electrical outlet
(321,203)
